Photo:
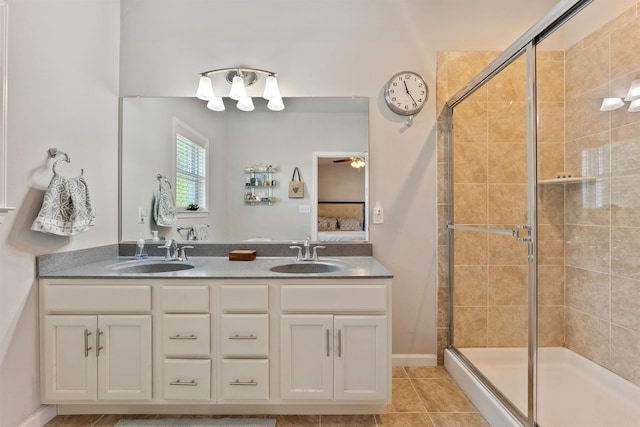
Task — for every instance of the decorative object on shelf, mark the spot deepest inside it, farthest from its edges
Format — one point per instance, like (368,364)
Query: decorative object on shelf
(259,184)
(296,187)
(240,78)
(192,207)
(564,174)
(164,207)
(406,93)
(66,209)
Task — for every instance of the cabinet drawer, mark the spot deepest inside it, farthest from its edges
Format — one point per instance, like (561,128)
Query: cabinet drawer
(185,334)
(185,299)
(187,379)
(339,298)
(245,379)
(245,298)
(98,298)
(245,335)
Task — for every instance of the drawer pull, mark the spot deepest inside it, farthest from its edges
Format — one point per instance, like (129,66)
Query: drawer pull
(238,382)
(182,337)
(192,383)
(243,337)
(98,346)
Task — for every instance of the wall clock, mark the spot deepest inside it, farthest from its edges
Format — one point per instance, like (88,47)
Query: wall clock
(406,93)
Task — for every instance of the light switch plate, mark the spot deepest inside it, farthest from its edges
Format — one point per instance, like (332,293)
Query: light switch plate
(304,209)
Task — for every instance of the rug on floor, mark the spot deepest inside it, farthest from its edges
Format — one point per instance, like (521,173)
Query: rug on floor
(197,422)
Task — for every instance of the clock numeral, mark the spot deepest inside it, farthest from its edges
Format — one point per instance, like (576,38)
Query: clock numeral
(421,92)
(392,91)
(395,83)
(408,76)
(399,104)
(393,99)
(419,84)
(406,107)
(419,99)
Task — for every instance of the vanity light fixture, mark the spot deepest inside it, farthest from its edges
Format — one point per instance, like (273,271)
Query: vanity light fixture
(609,104)
(240,79)
(633,95)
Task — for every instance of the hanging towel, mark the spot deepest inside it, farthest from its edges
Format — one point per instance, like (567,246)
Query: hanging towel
(198,232)
(66,209)
(164,208)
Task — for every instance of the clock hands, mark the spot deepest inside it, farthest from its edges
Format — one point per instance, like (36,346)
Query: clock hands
(409,93)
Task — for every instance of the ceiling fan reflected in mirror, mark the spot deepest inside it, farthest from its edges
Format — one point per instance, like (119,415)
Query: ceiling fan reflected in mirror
(356,162)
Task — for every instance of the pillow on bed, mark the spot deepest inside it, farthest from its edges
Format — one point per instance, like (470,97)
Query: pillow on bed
(349,224)
(327,223)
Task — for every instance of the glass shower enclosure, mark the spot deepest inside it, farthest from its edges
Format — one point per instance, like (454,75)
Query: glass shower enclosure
(542,199)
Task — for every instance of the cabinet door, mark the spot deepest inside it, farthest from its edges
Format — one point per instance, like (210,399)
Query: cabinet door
(361,359)
(69,358)
(124,357)
(306,357)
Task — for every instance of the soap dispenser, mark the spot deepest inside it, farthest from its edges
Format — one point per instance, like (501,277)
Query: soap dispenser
(141,252)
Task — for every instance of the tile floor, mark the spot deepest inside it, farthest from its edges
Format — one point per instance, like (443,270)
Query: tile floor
(422,397)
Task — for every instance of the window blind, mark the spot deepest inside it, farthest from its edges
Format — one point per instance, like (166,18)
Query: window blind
(191,170)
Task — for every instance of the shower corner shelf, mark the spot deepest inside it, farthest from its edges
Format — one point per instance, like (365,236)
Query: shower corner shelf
(572,180)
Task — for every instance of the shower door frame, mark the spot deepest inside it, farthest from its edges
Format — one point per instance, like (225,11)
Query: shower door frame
(526,44)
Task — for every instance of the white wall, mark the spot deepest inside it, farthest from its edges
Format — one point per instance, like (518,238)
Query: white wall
(63,92)
(339,182)
(63,87)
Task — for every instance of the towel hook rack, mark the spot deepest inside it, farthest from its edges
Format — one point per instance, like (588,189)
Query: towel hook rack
(162,178)
(55,152)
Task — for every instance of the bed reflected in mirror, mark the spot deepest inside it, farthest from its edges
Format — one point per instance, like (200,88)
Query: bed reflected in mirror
(340,208)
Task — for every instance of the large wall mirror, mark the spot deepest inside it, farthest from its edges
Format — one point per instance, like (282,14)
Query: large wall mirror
(232,145)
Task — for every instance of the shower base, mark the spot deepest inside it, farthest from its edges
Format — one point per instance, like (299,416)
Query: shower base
(572,390)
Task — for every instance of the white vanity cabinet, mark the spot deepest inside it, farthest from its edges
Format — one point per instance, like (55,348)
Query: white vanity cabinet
(91,355)
(342,355)
(246,345)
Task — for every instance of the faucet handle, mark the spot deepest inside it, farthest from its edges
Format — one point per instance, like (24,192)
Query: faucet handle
(167,246)
(183,254)
(299,248)
(315,252)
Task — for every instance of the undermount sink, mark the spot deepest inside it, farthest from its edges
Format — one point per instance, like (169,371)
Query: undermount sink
(151,266)
(305,268)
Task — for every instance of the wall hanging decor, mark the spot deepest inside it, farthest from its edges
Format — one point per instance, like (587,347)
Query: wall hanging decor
(296,187)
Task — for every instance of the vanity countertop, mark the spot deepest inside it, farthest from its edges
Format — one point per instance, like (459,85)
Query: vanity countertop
(351,267)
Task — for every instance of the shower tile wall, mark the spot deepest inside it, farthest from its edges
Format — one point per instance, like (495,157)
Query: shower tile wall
(602,217)
(490,191)
(589,233)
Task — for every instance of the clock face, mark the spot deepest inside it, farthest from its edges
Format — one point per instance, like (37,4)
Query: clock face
(406,93)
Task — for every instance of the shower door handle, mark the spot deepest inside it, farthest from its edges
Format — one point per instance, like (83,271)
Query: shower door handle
(519,228)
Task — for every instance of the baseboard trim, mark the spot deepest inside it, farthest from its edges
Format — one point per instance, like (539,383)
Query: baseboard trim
(43,415)
(414,360)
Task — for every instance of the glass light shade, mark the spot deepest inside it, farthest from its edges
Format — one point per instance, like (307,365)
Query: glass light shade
(238,90)
(275,104)
(634,91)
(271,88)
(205,90)
(635,106)
(245,104)
(609,104)
(215,104)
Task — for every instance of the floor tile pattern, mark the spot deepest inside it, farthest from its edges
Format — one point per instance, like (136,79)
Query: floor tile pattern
(422,397)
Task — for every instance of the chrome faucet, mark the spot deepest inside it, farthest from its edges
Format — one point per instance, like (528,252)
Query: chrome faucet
(307,246)
(307,251)
(173,252)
